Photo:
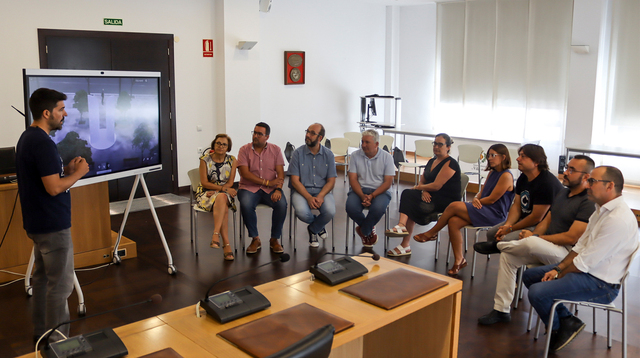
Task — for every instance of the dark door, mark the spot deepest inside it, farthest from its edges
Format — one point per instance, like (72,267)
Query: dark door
(92,50)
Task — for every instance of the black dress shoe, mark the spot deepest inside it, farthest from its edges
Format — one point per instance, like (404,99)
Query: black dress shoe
(494,317)
(487,247)
(569,328)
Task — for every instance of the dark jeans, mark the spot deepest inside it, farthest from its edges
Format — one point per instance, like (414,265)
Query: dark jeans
(573,286)
(376,210)
(248,203)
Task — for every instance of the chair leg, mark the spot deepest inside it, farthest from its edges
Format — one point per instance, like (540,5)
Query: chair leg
(530,321)
(438,246)
(295,232)
(519,285)
(195,232)
(333,235)
(235,245)
(595,327)
(346,237)
(608,328)
(473,264)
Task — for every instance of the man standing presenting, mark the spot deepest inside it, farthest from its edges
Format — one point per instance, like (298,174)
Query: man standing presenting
(593,269)
(313,175)
(535,190)
(43,183)
(371,172)
(261,168)
(550,241)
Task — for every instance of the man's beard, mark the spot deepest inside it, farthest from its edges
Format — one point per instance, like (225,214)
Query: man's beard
(311,143)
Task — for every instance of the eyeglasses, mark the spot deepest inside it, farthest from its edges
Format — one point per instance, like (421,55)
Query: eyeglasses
(259,134)
(592,181)
(438,144)
(311,132)
(219,144)
(572,170)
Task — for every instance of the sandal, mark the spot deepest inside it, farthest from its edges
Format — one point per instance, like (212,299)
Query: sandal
(424,238)
(456,268)
(215,244)
(402,251)
(397,231)
(228,256)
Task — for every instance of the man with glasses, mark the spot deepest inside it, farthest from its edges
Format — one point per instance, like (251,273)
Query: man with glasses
(550,241)
(371,172)
(261,167)
(313,175)
(593,269)
(535,190)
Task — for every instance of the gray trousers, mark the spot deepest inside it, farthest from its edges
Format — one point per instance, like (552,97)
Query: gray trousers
(52,281)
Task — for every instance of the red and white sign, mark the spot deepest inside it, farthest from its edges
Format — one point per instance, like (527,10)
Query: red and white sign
(207,48)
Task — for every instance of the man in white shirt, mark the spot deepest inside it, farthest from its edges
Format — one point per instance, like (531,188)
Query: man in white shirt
(593,269)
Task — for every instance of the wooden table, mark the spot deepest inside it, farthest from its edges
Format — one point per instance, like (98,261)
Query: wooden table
(425,327)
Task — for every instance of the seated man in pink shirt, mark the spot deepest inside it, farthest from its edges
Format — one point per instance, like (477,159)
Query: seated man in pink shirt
(261,167)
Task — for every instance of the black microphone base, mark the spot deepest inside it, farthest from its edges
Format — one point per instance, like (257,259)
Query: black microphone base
(230,305)
(104,343)
(336,272)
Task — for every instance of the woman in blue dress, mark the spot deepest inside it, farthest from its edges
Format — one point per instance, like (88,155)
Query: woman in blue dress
(488,208)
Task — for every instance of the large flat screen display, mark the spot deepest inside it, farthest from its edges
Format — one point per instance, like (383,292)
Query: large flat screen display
(113,119)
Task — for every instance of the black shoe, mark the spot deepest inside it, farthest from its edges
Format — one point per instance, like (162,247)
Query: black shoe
(569,328)
(494,317)
(487,247)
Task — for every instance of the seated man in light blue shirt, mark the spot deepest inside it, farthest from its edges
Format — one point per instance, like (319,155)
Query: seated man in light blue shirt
(313,175)
(371,172)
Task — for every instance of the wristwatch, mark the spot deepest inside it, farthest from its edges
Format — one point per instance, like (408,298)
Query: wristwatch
(279,189)
(558,270)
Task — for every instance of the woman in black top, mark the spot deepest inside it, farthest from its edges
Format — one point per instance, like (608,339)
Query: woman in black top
(439,186)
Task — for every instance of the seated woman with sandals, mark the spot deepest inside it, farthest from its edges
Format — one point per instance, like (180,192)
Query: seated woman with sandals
(439,186)
(215,192)
(488,208)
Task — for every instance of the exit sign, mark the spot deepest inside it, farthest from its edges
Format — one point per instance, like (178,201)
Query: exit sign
(113,22)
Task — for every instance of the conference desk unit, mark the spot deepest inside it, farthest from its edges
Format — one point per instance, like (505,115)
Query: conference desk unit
(425,327)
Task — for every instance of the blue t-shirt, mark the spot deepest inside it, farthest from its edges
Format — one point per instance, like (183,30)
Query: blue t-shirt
(36,157)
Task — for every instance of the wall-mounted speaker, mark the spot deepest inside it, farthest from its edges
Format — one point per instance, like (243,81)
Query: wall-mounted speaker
(265,5)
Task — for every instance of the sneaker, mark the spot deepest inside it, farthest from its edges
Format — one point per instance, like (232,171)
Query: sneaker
(365,240)
(494,317)
(486,247)
(370,239)
(569,328)
(323,234)
(313,239)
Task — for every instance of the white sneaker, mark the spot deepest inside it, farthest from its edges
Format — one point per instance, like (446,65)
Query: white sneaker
(323,234)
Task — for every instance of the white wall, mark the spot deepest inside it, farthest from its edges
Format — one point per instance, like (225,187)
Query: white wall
(587,21)
(191,21)
(344,44)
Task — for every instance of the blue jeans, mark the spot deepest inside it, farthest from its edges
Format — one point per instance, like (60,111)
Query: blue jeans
(573,286)
(248,203)
(52,280)
(303,211)
(377,209)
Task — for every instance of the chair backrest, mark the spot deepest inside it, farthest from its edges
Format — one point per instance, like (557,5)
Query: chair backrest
(315,345)
(469,153)
(424,148)
(386,140)
(288,151)
(194,177)
(464,181)
(398,157)
(354,139)
(339,146)
(513,153)
(326,142)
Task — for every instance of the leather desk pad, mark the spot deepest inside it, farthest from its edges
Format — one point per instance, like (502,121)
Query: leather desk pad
(394,288)
(277,331)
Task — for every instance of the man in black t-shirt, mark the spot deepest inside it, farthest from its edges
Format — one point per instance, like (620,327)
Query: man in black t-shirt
(535,190)
(550,241)
(43,184)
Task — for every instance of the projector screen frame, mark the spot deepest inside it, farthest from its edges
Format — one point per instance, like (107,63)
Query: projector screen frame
(27,73)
